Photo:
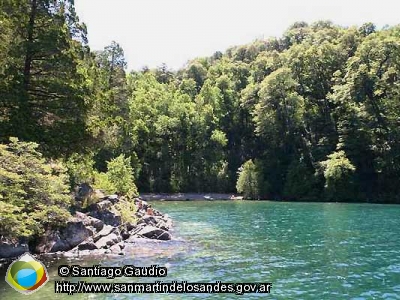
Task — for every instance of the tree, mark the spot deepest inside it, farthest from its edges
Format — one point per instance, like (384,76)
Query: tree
(119,178)
(301,182)
(42,88)
(249,181)
(120,174)
(368,113)
(33,194)
(109,102)
(279,113)
(338,171)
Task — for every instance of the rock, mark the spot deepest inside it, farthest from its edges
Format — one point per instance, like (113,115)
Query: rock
(84,191)
(125,234)
(65,239)
(102,205)
(148,220)
(168,222)
(154,233)
(99,231)
(10,250)
(107,229)
(162,225)
(108,240)
(74,234)
(87,245)
(157,213)
(105,211)
(121,245)
(162,222)
(89,221)
(113,198)
(137,229)
(125,230)
(139,214)
(115,249)
(98,194)
(129,226)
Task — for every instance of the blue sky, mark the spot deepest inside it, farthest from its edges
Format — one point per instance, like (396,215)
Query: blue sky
(153,32)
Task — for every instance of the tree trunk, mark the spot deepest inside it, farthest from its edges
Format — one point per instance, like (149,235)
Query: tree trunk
(29,46)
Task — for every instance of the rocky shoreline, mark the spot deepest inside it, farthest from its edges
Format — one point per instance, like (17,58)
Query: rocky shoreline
(97,230)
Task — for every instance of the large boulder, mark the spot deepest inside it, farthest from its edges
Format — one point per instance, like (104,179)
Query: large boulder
(107,229)
(164,222)
(107,237)
(109,240)
(10,250)
(87,245)
(64,239)
(105,211)
(89,221)
(152,232)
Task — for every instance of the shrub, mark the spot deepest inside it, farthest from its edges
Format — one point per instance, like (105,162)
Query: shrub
(118,179)
(80,168)
(249,181)
(102,182)
(120,174)
(127,210)
(33,193)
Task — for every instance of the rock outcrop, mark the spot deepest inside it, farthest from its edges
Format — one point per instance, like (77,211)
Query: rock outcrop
(100,230)
(97,230)
(9,249)
(66,238)
(106,212)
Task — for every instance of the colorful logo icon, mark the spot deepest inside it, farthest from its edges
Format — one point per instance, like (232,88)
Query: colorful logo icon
(26,275)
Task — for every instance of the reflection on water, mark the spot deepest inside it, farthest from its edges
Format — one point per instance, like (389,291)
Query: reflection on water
(307,250)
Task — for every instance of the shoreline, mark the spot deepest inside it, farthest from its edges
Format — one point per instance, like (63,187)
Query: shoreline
(227,197)
(184,196)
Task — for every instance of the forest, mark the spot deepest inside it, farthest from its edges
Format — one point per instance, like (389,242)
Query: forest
(312,115)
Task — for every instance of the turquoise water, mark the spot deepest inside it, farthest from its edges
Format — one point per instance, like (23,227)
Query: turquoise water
(306,250)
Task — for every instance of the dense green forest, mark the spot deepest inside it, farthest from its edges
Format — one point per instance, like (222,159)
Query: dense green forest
(311,115)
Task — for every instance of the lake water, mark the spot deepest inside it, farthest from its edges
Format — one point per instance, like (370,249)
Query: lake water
(306,250)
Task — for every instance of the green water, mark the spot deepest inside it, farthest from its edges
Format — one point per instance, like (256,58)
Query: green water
(307,251)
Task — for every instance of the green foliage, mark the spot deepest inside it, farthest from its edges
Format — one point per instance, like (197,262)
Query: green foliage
(103,182)
(280,110)
(80,168)
(219,138)
(288,102)
(300,182)
(127,209)
(118,179)
(249,181)
(42,87)
(120,174)
(33,193)
(338,172)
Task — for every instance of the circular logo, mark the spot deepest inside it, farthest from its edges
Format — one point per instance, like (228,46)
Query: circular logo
(26,274)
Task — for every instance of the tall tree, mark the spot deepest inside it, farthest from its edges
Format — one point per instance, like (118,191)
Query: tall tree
(44,90)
